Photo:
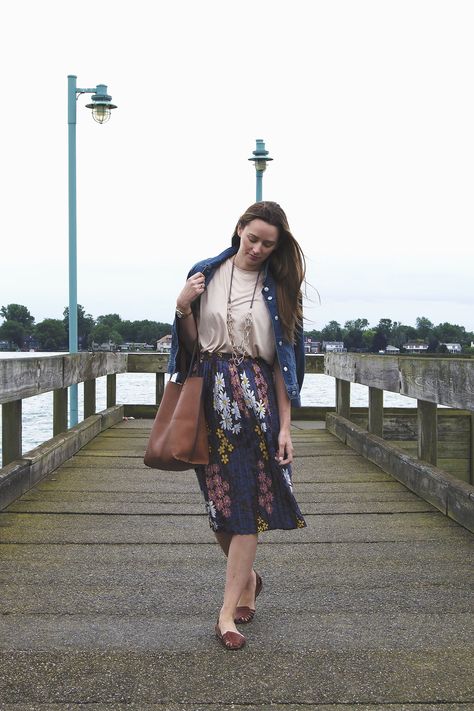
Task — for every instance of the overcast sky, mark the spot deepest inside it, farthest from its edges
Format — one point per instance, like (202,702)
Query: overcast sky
(366,106)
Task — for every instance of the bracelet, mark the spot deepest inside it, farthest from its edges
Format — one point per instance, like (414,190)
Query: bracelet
(182,314)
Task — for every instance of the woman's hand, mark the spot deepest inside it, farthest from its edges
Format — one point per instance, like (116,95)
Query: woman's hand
(193,288)
(285,447)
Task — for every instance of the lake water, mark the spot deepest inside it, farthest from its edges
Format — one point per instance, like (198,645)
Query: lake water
(139,388)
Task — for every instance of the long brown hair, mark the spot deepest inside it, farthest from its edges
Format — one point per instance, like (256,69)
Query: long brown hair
(286,262)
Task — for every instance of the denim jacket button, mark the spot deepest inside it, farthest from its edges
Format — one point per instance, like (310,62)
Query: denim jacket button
(269,298)
(280,343)
(265,288)
(276,318)
(285,368)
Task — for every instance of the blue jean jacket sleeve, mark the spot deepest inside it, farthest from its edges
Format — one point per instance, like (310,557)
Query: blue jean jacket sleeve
(299,357)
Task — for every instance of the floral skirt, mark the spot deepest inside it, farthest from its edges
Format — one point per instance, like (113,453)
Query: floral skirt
(245,489)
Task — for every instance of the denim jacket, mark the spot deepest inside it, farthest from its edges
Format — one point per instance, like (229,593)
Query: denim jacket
(290,357)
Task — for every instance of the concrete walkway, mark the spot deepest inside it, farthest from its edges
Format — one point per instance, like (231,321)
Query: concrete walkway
(111,583)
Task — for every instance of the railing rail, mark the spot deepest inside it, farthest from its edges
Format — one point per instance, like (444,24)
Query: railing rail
(22,378)
(432,382)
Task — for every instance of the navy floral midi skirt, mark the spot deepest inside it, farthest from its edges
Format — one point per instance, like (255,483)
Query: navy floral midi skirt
(245,489)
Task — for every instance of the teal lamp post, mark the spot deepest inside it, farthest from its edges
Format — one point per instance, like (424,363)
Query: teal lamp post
(260,158)
(101,108)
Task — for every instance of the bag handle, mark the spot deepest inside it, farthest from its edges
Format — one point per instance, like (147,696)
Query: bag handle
(195,355)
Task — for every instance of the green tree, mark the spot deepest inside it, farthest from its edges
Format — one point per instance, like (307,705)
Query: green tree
(332,332)
(424,327)
(104,333)
(314,335)
(51,334)
(353,334)
(85,324)
(368,337)
(451,333)
(19,314)
(112,320)
(382,335)
(13,332)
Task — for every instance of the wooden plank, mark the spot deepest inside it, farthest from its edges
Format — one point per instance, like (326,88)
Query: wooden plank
(11,431)
(314,363)
(111,390)
(375,423)
(371,370)
(471,441)
(427,431)
(60,400)
(446,381)
(343,398)
(454,498)
(79,367)
(140,411)
(89,398)
(147,362)
(160,386)
(14,481)
(25,377)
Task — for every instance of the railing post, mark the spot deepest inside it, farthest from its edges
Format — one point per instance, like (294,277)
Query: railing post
(11,431)
(160,386)
(343,398)
(89,398)
(111,390)
(471,468)
(59,411)
(375,425)
(428,431)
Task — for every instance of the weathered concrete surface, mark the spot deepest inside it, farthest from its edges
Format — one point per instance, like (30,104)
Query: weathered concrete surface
(111,582)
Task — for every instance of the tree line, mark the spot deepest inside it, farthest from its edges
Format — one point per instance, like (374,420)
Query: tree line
(359,336)
(19,330)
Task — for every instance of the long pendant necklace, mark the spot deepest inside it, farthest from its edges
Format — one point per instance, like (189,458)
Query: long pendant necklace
(240,350)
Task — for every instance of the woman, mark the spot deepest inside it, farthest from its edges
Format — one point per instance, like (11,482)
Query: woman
(245,308)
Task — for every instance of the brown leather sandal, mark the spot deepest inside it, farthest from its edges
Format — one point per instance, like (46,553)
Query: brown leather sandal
(245,614)
(230,640)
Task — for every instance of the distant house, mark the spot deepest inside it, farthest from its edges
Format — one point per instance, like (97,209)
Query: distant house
(334,347)
(163,345)
(311,346)
(416,347)
(4,345)
(131,346)
(452,347)
(392,350)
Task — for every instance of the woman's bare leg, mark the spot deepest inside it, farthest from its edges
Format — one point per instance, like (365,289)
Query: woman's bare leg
(240,560)
(247,598)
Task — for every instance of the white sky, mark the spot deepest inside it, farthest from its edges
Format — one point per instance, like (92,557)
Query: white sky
(366,106)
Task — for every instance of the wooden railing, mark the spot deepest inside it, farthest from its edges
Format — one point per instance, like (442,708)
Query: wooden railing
(432,382)
(22,378)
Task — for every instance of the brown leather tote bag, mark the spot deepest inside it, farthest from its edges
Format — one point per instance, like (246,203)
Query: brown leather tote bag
(178,438)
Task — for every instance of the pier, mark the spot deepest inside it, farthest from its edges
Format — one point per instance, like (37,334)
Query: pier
(111,580)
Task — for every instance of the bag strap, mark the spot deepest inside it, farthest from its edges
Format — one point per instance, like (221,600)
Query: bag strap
(195,355)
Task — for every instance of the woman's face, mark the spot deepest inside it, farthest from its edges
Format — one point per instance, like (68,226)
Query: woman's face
(258,240)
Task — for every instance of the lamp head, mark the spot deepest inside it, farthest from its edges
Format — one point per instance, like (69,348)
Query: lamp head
(260,156)
(101,104)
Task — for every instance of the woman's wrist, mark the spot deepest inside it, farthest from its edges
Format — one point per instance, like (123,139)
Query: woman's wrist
(183,313)
(185,307)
